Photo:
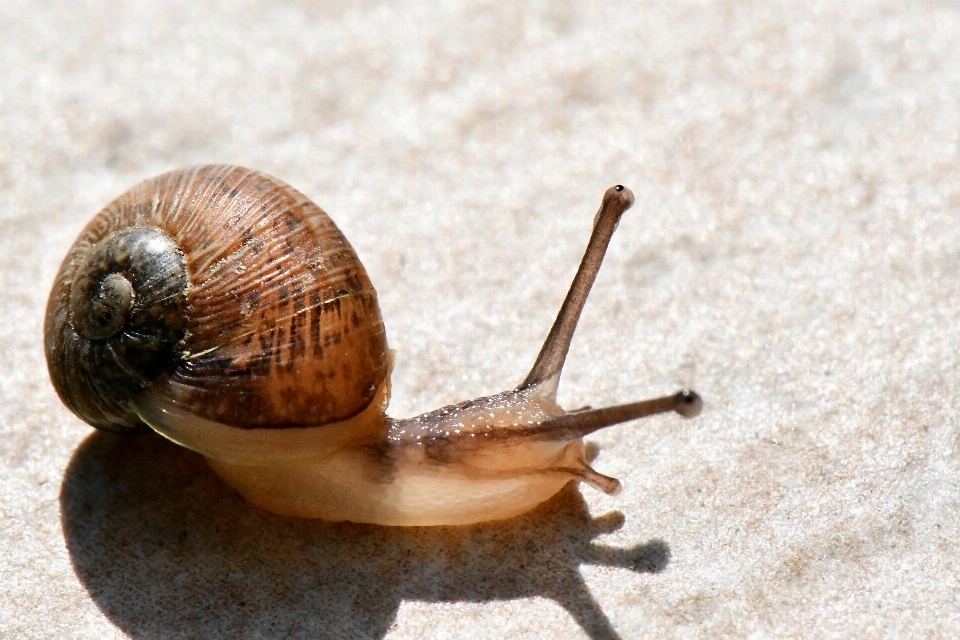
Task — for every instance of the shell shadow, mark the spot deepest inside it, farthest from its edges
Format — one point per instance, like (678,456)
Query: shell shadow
(166,550)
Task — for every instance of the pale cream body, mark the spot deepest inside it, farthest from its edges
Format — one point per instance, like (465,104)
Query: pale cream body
(416,492)
(459,465)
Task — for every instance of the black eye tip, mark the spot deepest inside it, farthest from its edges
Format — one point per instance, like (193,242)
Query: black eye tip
(688,403)
(619,187)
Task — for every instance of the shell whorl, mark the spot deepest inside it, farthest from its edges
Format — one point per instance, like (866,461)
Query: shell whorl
(120,325)
(223,290)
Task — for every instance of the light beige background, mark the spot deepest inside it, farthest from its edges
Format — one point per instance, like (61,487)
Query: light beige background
(793,255)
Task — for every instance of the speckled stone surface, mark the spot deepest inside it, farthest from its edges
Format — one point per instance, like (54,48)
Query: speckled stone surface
(793,255)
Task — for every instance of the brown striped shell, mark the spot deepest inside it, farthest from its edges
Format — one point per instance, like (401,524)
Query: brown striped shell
(220,289)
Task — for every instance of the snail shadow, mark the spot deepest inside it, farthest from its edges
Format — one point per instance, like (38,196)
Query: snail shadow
(166,550)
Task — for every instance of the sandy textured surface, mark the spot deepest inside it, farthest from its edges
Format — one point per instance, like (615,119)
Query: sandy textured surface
(793,256)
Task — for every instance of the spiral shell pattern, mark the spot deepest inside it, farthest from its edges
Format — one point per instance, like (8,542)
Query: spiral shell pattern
(225,291)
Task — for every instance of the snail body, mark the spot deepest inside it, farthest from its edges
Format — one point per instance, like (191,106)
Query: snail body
(223,309)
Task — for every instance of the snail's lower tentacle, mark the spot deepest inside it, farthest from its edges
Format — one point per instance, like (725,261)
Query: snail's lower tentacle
(577,424)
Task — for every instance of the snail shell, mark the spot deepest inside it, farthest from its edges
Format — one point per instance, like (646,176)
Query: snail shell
(221,289)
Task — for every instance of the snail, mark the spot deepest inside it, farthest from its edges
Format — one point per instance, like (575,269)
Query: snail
(223,309)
